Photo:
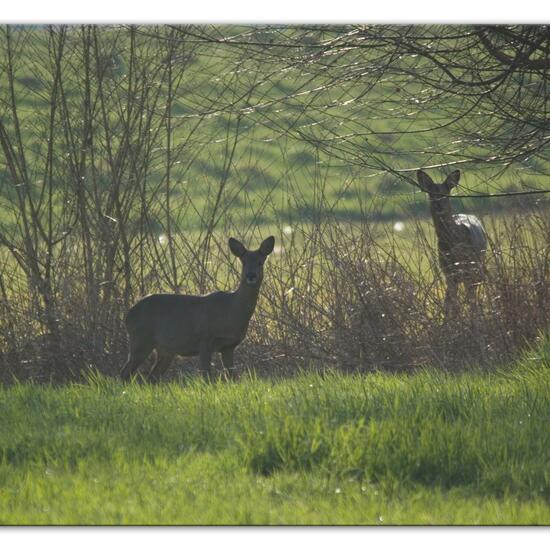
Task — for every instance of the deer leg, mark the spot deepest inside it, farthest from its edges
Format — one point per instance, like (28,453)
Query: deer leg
(161,364)
(228,364)
(138,353)
(205,360)
(451,299)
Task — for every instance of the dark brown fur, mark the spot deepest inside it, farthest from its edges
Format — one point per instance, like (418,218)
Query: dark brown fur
(175,324)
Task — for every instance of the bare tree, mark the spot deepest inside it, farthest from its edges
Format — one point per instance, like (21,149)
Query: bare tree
(449,94)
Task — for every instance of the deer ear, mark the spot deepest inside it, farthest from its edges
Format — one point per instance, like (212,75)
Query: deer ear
(266,248)
(424,180)
(452,179)
(237,247)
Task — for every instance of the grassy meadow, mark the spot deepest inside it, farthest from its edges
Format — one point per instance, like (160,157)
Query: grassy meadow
(428,448)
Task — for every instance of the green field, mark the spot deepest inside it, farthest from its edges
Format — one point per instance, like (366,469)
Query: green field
(428,448)
(247,164)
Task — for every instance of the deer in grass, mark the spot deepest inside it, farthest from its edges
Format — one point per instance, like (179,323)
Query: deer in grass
(461,241)
(175,324)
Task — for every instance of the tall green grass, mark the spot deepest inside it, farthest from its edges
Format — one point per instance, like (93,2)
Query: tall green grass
(327,448)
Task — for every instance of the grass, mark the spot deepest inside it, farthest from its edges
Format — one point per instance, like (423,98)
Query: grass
(428,448)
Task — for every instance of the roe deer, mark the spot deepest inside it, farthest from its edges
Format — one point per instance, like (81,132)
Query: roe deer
(461,240)
(175,324)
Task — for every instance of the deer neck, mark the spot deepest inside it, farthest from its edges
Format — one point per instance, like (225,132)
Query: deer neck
(442,216)
(246,298)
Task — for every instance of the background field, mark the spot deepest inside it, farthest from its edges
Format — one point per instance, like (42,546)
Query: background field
(266,163)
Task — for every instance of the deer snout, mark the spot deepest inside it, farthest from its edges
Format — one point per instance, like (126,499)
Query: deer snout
(251,278)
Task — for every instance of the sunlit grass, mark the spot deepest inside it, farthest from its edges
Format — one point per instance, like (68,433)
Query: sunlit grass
(426,448)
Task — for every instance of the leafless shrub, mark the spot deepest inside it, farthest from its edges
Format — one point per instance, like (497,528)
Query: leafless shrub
(95,194)
(357,302)
(335,296)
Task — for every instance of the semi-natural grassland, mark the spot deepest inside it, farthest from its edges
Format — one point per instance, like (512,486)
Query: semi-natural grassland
(327,448)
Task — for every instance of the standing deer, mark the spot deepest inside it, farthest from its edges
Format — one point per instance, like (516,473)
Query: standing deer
(461,240)
(175,324)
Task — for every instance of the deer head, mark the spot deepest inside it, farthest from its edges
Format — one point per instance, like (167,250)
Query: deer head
(252,260)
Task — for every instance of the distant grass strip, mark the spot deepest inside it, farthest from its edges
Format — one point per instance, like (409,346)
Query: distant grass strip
(429,448)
